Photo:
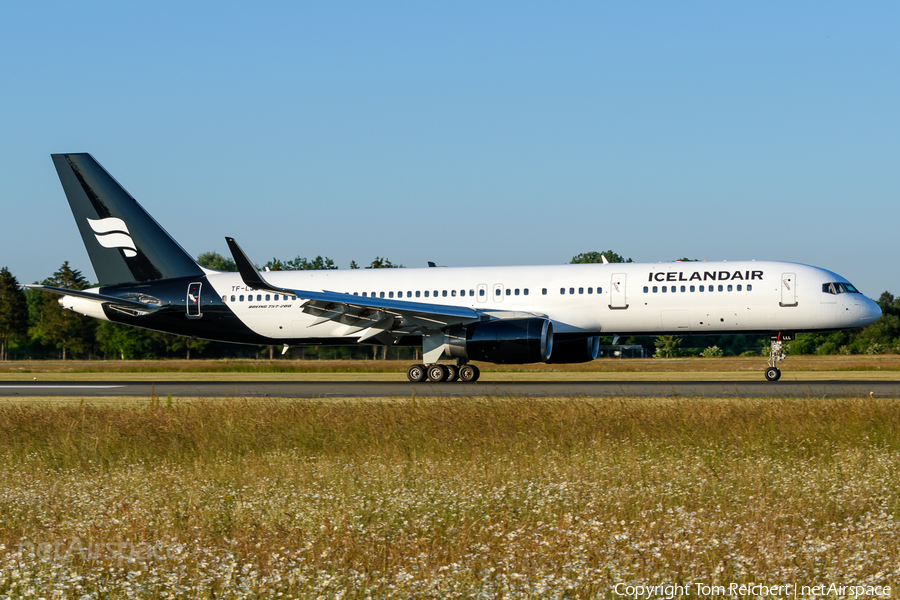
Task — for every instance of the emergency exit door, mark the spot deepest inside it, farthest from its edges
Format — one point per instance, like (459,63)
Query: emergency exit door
(193,301)
(617,298)
(788,289)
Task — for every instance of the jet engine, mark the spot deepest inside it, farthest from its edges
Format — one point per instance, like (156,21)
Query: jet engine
(514,341)
(575,351)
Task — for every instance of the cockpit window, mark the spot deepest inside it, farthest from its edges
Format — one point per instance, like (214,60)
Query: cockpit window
(839,287)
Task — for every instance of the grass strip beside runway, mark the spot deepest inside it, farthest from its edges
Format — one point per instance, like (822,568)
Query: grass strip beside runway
(432,498)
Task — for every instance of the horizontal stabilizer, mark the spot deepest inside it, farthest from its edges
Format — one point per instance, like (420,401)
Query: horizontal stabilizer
(125,302)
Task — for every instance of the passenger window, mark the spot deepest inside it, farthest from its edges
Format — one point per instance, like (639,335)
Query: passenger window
(268,297)
(453,293)
(749,287)
(739,287)
(664,290)
(462,293)
(232,298)
(481,292)
(508,291)
(655,289)
(418,294)
(682,288)
(525,291)
(646,289)
(692,289)
(365,295)
(409,294)
(471,292)
(580,290)
(390,294)
(562,290)
(591,290)
(571,290)
(720,288)
(517,291)
(730,287)
(444,294)
(544,291)
(599,290)
(426,293)
(497,292)
(381,295)
(435,293)
(674,289)
(241,297)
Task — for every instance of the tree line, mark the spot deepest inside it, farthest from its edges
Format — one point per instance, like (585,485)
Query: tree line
(34,326)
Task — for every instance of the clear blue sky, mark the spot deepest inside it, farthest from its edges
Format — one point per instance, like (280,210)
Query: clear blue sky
(464,133)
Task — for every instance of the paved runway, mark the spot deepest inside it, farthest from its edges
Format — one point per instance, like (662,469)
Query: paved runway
(383,389)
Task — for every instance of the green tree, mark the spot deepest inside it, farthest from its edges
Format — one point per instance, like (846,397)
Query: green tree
(13,311)
(65,330)
(383,263)
(597,257)
(666,344)
(214,260)
(883,331)
(687,260)
(301,264)
(353,264)
(124,342)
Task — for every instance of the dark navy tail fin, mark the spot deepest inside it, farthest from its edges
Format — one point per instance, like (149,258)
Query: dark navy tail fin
(124,242)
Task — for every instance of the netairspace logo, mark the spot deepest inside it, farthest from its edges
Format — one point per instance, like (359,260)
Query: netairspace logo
(113,233)
(754,590)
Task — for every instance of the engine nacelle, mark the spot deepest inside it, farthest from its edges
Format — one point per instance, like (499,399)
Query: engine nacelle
(575,351)
(513,342)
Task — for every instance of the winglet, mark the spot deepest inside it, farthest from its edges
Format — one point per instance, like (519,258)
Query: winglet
(248,272)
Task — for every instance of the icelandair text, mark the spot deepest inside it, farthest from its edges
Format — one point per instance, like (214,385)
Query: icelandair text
(707,276)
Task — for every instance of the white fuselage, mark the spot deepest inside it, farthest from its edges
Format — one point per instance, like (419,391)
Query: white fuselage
(609,299)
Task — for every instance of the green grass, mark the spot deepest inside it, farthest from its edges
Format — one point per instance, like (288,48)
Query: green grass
(477,497)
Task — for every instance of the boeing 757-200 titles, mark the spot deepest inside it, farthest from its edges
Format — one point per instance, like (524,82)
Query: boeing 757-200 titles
(508,315)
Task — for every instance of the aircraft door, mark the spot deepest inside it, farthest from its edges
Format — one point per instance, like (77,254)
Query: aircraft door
(498,292)
(482,292)
(193,301)
(617,297)
(788,289)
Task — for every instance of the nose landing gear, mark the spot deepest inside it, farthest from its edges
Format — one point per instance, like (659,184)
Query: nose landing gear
(776,354)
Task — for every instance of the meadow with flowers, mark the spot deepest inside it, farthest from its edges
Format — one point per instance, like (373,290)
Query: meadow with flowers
(473,498)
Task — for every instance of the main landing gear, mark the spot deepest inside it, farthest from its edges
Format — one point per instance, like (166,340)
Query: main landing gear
(776,353)
(436,373)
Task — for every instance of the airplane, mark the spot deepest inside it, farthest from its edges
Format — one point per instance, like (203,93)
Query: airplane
(500,315)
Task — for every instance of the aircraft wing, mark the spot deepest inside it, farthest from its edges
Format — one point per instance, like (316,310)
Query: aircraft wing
(376,315)
(127,303)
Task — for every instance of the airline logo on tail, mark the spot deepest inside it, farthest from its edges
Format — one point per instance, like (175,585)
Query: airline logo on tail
(113,233)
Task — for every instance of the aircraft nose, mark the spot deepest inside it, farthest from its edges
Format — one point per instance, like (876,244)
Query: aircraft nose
(870,312)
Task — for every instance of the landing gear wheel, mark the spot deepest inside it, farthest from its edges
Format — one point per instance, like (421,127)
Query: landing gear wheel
(468,373)
(416,373)
(452,373)
(477,373)
(773,374)
(436,373)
